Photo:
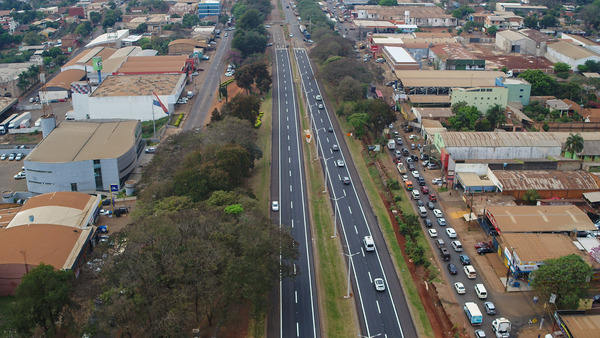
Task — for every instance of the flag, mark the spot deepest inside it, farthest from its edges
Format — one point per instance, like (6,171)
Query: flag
(158,103)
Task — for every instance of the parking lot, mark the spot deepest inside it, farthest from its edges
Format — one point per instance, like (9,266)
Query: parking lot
(518,307)
(8,169)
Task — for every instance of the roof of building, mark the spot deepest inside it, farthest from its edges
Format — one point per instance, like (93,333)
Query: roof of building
(187,42)
(429,98)
(85,58)
(536,35)
(65,78)
(7,213)
(154,64)
(108,38)
(373,23)
(138,85)
(386,40)
(572,51)
(472,179)
(594,75)
(453,51)
(540,218)
(66,208)
(431,113)
(399,55)
(512,35)
(579,40)
(11,71)
(6,103)
(582,326)
(494,139)
(557,104)
(593,196)
(545,180)
(447,78)
(85,141)
(115,61)
(539,247)
(430,125)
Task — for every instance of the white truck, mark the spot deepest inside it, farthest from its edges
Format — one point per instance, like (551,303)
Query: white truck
(391,145)
(501,327)
(38,123)
(472,311)
(16,123)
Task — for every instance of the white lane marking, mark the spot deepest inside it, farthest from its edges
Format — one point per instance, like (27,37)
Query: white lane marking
(363,251)
(327,139)
(294,268)
(288,137)
(296,296)
(297,329)
(339,177)
(370,279)
(290,188)
(291,205)
(290,173)
(350,210)
(292,228)
(378,308)
(355,229)
(322,121)
(289,160)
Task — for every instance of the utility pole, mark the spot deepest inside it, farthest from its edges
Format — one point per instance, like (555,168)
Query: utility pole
(335,215)
(326,171)
(349,267)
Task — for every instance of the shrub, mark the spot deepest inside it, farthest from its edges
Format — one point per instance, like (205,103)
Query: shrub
(393,184)
(178,120)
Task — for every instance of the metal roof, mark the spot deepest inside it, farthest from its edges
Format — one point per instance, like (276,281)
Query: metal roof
(572,51)
(494,139)
(540,218)
(448,78)
(539,247)
(593,196)
(545,180)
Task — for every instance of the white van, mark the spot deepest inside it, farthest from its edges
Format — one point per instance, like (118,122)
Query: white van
(422,211)
(416,195)
(470,271)
(369,243)
(480,291)
(457,245)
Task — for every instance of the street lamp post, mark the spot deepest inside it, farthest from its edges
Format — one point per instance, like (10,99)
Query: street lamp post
(326,171)
(349,267)
(335,215)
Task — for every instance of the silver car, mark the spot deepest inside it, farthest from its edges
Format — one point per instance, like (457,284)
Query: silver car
(379,284)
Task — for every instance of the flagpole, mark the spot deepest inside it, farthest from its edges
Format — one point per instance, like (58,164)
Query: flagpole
(153,120)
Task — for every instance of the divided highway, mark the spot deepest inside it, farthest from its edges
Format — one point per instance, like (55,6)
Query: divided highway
(298,303)
(381,313)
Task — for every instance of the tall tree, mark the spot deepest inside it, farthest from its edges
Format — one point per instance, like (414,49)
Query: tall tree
(574,144)
(381,115)
(358,121)
(41,298)
(566,277)
(541,84)
(496,116)
(465,118)
(244,107)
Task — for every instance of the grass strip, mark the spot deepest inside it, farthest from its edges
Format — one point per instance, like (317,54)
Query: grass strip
(260,181)
(338,318)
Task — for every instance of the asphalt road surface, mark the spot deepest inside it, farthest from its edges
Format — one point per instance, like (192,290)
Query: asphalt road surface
(382,313)
(205,95)
(298,310)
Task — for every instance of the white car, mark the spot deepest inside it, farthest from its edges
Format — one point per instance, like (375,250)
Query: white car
(339,163)
(432,232)
(451,233)
(20,175)
(404,178)
(318,98)
(415,174)
(413,137)
(438,213)
(291,35)
(379,284)
(436,181)
(229,74)
(321,106)
(460,288)
(275,206)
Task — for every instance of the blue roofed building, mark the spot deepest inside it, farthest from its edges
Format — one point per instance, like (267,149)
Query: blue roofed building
(209,8)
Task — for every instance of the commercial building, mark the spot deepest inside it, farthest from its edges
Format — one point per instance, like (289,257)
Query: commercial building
(59,87)
(398,58)
(547,183)
(55,229)
(84,157)
(9,78)
(454,57)
(112,38)
(209,8)
(524,41)
(129,97)
(516,6)
(186,47)
(438,114)
(519,90)
(439,82)
(421,15)
(571,54)
(578,323)
(481,97)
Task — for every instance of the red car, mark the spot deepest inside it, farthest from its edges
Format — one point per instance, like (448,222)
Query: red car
(425,190)
(484,245)
(432,197)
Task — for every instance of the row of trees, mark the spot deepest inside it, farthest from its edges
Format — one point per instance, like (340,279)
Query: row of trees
(468,118)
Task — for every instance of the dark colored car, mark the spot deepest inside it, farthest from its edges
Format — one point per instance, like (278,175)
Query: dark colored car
(430,205)
(428,223)
(335,147)
(484,250)
(422,181)
(411,167)
(415,158)
(432,198)
(420,203)
(464,260)
(107,201)
(405,152)
(346,180)
(452,268)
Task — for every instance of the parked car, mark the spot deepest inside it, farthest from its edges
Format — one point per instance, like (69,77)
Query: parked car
(480,334)
(346,180)
(3,157)
(20,175)
(150,150)
(484,250)
(19,157)
(428,223)
(12,156)
(437,181)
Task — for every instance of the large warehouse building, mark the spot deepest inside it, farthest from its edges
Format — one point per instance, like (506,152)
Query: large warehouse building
(54,229)
(85,157)
(547,183)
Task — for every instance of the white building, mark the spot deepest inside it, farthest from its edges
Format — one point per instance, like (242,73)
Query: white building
(571,54)
(84,156)
(112,39)
(129,97)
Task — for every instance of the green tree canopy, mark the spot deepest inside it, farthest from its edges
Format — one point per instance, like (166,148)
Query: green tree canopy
(496,116)
(359,121)
(32,39)
(41,298)
(530,21)
(388,2)
(541,84)
(566,277)
(531,196)
(350,89)
(465,118)
(95,17)
(574,143)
